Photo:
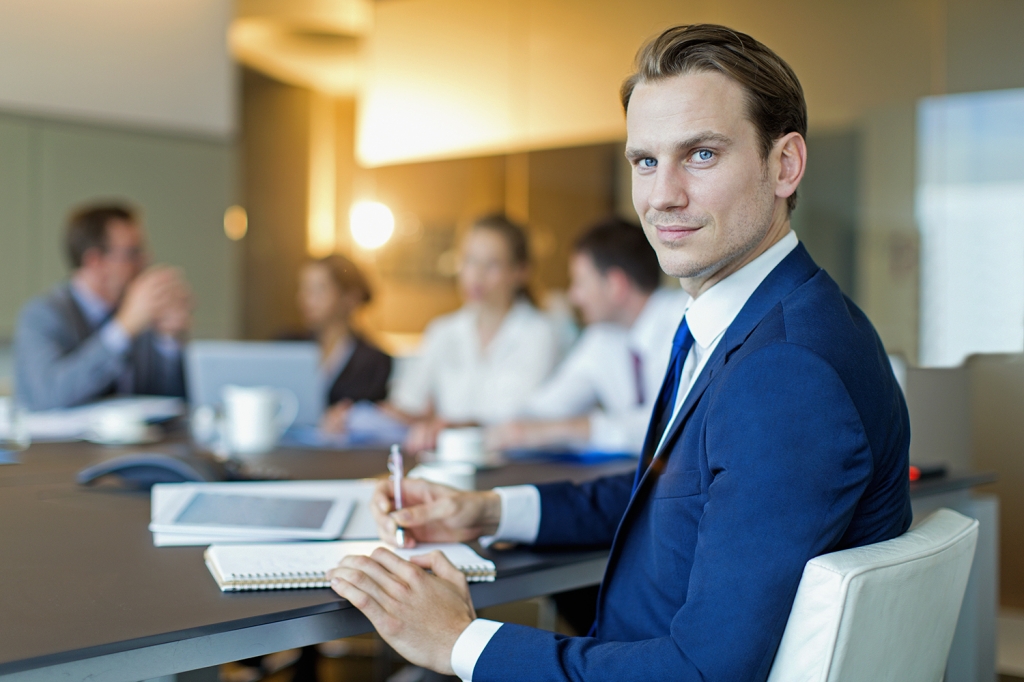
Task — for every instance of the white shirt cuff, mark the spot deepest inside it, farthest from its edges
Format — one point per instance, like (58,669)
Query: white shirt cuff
(115,338)
(167,346)
(520,515)
(470,644)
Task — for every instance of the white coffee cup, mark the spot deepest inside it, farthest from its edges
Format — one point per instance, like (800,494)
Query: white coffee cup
(119,425)
(464,444)
(255,417)
(460,475)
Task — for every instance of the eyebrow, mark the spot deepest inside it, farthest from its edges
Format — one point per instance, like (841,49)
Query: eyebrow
(697,140)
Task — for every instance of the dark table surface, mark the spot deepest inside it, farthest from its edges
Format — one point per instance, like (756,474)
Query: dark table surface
(79,576)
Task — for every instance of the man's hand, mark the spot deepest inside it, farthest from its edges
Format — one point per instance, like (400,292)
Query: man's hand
(175,319)
(508,435)
(149,295)
(335,419)
(420,615)
(434,512)
(423,434)
(532,434)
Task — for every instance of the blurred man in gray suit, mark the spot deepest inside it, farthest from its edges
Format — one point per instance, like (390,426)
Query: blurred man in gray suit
(116,327)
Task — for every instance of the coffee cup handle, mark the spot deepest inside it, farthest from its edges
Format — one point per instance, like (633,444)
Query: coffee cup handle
(288,410)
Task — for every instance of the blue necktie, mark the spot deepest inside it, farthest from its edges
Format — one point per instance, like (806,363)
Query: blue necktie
(664,407)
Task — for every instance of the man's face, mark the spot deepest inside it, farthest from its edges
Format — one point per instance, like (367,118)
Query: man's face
(590,291)
(700,184)
(123,259)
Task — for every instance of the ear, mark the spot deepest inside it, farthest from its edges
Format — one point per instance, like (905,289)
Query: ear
(792,157)
(618,281)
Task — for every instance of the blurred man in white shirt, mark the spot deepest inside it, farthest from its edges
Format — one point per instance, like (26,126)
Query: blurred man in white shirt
(601,396)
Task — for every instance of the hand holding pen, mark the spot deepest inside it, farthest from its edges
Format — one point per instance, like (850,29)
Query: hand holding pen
(410,511)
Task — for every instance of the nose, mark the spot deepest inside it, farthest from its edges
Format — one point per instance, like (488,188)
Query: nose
(668,189)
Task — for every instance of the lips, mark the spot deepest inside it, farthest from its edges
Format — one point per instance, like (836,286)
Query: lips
(675,232)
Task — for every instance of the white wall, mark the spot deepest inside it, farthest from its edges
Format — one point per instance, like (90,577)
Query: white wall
(160,64)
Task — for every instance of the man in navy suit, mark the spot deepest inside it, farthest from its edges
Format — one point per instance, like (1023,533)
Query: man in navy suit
(780,433)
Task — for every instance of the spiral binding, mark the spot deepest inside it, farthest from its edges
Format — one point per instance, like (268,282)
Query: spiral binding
(312,579)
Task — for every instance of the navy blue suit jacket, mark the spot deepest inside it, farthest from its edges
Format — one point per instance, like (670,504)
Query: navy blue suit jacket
(792,442)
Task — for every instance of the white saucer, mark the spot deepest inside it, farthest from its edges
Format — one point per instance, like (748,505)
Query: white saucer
(152,434)
(491,460)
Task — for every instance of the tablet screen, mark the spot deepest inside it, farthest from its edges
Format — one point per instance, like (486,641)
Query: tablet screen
(212,509)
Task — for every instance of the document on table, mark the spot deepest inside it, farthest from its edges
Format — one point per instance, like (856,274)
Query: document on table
(74,423)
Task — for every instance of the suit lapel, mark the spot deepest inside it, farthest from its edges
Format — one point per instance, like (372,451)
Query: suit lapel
(793,271)
(692,397)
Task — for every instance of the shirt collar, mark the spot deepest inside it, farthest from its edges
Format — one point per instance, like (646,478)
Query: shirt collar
(711,313)
(94,309)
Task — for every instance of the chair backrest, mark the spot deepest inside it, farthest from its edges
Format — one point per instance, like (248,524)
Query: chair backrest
(881,612)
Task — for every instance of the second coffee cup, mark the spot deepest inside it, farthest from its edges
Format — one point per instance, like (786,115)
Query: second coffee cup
(464,444)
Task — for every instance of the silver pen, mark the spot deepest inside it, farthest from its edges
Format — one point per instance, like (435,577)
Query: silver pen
(397,468)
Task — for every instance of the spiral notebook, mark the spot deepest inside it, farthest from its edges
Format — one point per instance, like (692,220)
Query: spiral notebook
(298,565)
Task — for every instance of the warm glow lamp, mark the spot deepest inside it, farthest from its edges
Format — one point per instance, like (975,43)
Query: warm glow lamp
(236,223)
(371,223)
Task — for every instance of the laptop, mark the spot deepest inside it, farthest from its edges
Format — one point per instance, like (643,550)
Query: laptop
(294,365)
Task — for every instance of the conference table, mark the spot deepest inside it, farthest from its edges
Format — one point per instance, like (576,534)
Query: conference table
(84,594)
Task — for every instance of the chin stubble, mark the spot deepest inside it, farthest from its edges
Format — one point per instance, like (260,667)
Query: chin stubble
(743,241)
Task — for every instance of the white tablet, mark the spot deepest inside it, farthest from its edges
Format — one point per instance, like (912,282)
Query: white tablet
(298,516)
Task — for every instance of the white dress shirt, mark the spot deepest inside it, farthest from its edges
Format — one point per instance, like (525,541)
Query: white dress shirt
(600,377)
(464,382)
(708,316)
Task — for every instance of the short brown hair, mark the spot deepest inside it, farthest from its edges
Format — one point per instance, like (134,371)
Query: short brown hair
(775,99)
(617,243)
(87,228)
(346,276)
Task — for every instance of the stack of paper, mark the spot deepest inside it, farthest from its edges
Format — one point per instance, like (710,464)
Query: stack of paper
(74,423)
(167,497)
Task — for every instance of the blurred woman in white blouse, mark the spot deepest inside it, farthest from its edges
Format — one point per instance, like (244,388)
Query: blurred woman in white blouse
(479,364)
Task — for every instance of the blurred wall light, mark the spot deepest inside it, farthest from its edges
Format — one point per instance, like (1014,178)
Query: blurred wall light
(372,224)
(236,222)
(321,230)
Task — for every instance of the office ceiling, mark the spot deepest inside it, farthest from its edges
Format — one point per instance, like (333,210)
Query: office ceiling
(311,43)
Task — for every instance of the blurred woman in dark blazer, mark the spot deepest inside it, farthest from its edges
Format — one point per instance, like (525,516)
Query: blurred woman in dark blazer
(331,289)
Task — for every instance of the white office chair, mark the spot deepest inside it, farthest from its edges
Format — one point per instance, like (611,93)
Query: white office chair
(885,612)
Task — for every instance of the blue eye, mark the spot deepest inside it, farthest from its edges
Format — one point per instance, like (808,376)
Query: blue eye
(704,155)
(648,162)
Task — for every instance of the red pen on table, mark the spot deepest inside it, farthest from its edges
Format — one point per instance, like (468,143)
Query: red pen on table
(397,469)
